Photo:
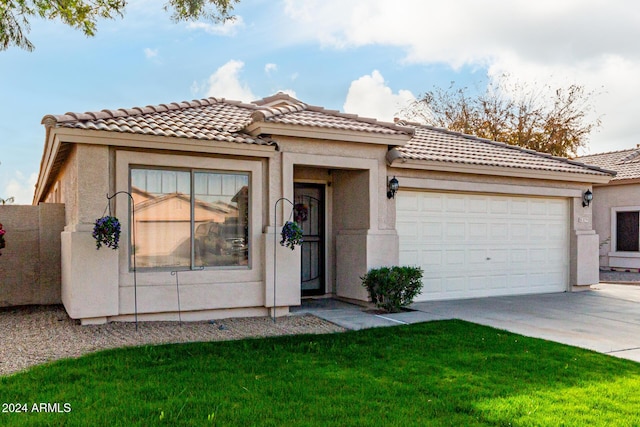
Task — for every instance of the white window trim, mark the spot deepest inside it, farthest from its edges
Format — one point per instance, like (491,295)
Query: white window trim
(614,232)
(127,159)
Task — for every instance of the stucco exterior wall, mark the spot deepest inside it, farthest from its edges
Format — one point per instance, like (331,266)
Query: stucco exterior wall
(606,198)
(99,286)
(362,235)
(30,263)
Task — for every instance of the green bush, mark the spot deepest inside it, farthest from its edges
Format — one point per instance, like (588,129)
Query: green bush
(392,288)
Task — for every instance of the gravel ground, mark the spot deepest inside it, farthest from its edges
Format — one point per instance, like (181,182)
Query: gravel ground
(629,277)
(37,334)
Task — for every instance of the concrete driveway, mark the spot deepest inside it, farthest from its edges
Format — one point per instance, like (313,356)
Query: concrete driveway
(605,319)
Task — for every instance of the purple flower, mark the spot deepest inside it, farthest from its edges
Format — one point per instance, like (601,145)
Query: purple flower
(106,231)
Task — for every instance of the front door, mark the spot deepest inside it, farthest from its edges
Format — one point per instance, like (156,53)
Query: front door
(308,212)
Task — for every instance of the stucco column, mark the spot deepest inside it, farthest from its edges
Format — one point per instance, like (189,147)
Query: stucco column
(584,263)
(284,273)
(357,252)
(89,276)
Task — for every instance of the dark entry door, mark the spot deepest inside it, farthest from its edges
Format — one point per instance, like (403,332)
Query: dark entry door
(309,213)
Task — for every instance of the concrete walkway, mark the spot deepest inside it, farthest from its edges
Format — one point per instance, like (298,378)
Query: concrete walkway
(605,319)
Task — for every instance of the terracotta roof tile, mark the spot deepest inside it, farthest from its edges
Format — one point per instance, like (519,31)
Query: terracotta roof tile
(625,162)
(206,119)
(218,119)
(223,120)
(434,144)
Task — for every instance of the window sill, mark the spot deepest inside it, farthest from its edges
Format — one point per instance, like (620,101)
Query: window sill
(624,254)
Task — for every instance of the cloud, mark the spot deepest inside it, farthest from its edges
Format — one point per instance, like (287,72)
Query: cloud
(268,68)
(587,42)
(21,188)
(150,53)
(370,97)
(225,82)
(228,28)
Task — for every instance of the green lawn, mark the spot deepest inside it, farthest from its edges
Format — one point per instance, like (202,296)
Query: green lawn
(437,373)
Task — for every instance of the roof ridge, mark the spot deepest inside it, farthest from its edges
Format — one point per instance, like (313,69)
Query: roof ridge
(518,148)
(293,105)
(53,119)
(370,120)
(630,157)
(608,152)
(262,112)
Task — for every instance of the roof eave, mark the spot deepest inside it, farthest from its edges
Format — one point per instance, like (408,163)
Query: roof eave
(431,165)
(260,128)
(57,136)
(624,181)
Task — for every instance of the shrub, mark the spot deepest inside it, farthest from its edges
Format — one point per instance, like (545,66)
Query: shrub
(392,288)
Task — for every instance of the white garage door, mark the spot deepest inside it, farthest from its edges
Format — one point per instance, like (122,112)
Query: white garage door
(484,245)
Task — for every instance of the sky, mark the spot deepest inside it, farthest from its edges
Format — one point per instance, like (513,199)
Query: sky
(368,57)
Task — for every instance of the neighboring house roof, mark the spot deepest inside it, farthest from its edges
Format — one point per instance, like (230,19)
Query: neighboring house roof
(440,145)
(625,162)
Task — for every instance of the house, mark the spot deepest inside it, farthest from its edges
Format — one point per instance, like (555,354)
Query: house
(616,208)
(213,181)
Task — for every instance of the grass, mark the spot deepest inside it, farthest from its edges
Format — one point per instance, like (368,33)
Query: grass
(449,373)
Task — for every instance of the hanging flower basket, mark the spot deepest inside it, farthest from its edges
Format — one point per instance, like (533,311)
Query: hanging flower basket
(106,231)
(291,235)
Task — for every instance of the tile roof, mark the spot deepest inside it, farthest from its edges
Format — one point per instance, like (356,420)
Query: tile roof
(218,119)
(435,144)
(625,162)
(207,119)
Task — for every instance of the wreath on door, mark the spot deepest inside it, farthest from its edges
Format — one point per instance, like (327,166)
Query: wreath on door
(301,212)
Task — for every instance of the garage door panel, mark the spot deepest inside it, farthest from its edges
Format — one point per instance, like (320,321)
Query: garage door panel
(484,245)
(430,286)
(409,257)
(478,283)
(519,256)
(499,206)
(430,202)
(478,230)
(455,230)
(455,204)
(407,230)
(431,230)
(454,258)
(498,232)
(497,282)
(477,205)
(431,258)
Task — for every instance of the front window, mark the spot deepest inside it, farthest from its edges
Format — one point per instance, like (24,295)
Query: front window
(627,231)
(190,219)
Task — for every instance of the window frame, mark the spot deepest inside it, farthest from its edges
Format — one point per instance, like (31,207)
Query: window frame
(192,201)
(614,232)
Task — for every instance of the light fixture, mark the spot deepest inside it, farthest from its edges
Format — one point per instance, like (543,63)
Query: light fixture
(587,197)
(392,188)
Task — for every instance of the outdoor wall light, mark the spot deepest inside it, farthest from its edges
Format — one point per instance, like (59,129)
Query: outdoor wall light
(392,188)
(587,197)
